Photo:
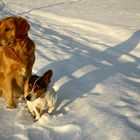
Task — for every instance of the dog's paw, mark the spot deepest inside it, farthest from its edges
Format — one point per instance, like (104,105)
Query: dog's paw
(36,118)
(17,95)
(50,110)
(11,106)
(22,99)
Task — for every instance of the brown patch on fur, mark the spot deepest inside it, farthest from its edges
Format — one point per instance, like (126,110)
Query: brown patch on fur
(40,92)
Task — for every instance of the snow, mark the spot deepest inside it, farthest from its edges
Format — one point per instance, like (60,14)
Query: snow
(93,47)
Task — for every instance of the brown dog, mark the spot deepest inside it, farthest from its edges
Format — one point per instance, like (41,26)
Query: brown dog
(17,56)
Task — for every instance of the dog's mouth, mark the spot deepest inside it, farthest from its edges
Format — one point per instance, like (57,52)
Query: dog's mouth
(3,42)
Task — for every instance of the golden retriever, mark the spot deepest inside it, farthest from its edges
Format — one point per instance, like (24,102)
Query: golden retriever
(17,56)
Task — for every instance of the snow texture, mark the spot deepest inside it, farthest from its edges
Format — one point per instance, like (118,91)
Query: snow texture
(93,47)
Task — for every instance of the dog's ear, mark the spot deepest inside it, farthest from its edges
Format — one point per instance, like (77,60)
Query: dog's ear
(22,27)
(47,76)
(33,78)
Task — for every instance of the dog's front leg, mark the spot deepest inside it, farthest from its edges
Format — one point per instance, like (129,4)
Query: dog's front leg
(37,113)
(9,93)
(28,74)
(50,109)
(26,86)
(30,107)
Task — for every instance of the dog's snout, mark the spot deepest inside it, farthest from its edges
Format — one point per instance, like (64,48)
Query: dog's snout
(31,96)
(28,97)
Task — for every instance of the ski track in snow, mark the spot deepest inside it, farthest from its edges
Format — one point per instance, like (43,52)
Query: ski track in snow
(96,74)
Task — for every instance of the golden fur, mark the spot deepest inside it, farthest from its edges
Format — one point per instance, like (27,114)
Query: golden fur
(17,56)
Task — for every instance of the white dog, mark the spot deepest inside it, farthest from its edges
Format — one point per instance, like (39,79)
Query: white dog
(42,96)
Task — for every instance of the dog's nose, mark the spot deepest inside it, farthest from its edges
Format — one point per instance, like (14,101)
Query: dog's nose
(28,97)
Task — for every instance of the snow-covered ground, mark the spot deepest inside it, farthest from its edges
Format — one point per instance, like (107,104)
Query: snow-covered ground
(93,47)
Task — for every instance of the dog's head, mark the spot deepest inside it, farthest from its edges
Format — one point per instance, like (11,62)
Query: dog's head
(12,28)
(38,85)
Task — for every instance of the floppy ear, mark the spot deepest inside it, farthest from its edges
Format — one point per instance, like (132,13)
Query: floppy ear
(47,76)
(22,27)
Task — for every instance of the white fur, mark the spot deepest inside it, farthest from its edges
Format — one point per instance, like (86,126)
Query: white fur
(46,101)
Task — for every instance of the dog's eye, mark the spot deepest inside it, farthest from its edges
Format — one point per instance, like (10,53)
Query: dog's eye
(37,87)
